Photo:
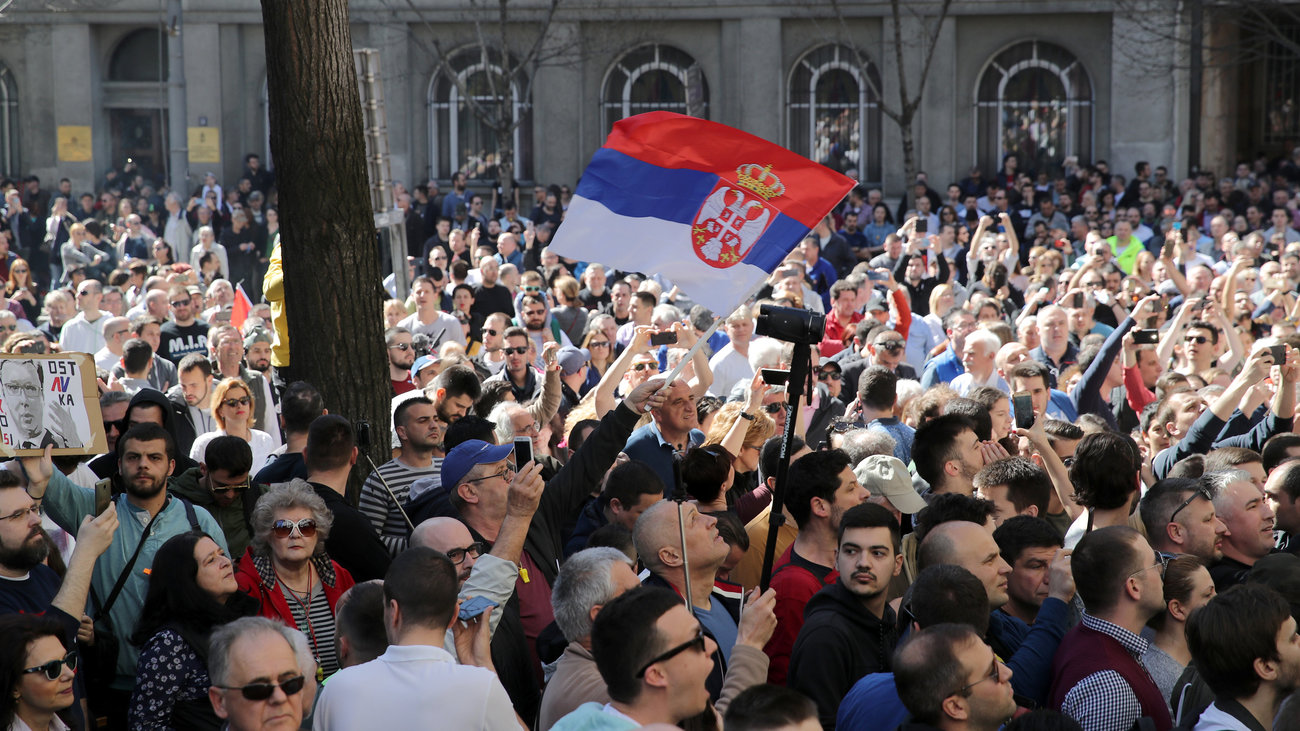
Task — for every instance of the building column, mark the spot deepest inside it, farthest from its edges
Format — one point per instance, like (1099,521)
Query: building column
(72,74)
(753,97)
(1142,95)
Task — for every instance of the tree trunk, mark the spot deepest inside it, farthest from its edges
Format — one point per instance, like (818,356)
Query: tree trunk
(909,153)
(327,233)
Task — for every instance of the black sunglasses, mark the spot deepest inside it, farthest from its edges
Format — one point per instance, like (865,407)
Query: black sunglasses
(1188,501)
(774,407)
(1198,339)
(54,668)
(514,351)
(695,642)
(233,402)
(829,376)
(262,691)
(892,346)
(401,346)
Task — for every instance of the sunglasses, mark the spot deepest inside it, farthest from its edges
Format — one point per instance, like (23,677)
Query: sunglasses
(829,376)
(474,550)
(284,528)
(515,351)
(490,331)
(401,346)
(180,303)
(531,288)
(262,691)
(1198,339)
(598,344)
(774,407)
(534,313)
(1188,501)
(233,402)
(696,642)
(54,668)
(232,488)
(645,366)
(892,346)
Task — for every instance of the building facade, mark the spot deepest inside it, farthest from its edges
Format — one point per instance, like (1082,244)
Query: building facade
(84,88)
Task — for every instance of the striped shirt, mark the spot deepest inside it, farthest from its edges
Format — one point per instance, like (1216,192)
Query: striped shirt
(383,513)
(317,624)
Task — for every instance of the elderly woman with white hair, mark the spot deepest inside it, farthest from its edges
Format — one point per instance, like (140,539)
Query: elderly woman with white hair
(288,571)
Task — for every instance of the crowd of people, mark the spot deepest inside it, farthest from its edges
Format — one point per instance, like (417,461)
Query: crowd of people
(1043,477)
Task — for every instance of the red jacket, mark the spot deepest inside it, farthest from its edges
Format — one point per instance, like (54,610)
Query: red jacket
(256,578)
(794,581)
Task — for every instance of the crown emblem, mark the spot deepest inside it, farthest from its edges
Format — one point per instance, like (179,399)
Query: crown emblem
(760,180)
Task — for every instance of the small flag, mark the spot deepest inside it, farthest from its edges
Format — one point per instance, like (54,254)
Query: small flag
(711,208)
(242,306)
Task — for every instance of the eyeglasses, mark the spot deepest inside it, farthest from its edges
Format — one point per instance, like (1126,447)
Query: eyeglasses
(1188,501)
(238,487)
(504,471)
(993,675)
(490,331)
(262,691)
(645,366)
(1161,560)
(515,351)
(598,344)
(181,303)
(474,550)
(774,407)
(35,509)
(829,376)
(284,528)
(1198,339)
(401,346)
(233,402)
(696,642)
(54,668)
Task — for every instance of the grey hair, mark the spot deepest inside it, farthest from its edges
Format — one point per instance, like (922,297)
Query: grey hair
(862,443)
(667,314)
(502,427)
(223,638)
(765,353)
(113,398)
(1216,484)
(584,582)
(295,494)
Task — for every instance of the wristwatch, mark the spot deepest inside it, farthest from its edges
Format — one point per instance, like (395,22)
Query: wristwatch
(746,416)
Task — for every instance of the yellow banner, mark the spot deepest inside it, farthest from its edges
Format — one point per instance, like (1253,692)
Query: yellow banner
(204,144)
(74,143)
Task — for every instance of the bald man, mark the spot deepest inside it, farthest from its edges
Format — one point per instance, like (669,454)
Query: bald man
(488,575)
(117,330)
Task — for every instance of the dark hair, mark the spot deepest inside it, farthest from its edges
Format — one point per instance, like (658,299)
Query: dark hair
(1058,430)
(1159,503)
(192,361)
(361,620)
(871,515)
(624,637)
(1224,647)
(329,443)
(147,432)
(1203,325)
(1025,531)
(927,669)
(399,413)
(1275,449)
(1027,483)
(703,471)
(814,475)
(988,397)
(1102,562)
(300,404)
(944,594)
(1178,583)
(1029,369)
(935,443)
(977,412)
(466,428)
(731,528)
(951,506)
(514,331)
(878,388)
(1226,458)
(459,380)
(424,584)
(771,454)
(228,453)
(1105,470)
(629,481)
(614,536)
(136,355)
(174,596)
(20,630)
(494,392)
(767,707)
(578,434)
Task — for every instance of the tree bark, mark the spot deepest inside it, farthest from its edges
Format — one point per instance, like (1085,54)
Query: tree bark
(332,285)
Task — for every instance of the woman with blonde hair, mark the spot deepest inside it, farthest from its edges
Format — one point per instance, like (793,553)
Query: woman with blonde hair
(741,429)
(232,407)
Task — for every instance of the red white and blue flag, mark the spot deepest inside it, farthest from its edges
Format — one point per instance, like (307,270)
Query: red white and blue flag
(711,208)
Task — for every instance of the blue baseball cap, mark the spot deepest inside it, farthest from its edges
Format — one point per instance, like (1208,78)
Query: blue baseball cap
(467,455)
(421,363)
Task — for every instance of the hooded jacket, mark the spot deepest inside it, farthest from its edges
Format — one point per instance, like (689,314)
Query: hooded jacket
(839,643)
(179,427)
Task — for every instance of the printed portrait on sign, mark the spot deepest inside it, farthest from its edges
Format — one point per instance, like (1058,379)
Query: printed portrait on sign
(50,400)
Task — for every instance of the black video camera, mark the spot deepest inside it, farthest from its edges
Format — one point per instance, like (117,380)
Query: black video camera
(790,324)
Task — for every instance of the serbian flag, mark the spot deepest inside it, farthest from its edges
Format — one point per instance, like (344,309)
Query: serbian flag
(711,208)
(241,307)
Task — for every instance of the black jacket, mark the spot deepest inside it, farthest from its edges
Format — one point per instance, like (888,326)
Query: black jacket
(839,643)
(353,542)
(177,425)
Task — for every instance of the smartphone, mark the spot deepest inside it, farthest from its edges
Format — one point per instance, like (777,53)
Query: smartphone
(103,496)
(523,452)
(875,276)
(363,435)
(663,338)
(474,607)
(922,225)
(1278,352)
(774,376)
(1178,225)
(1146,337)
(1023,408)
(1076,300)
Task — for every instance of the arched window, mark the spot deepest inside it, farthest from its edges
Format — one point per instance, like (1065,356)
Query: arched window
(1034,99)
(653,78)
(9,164)
(462,136)
(833,111)
(140,56)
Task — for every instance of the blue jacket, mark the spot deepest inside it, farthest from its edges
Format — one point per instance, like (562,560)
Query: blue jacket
(647,445)
(872,703)
(1028,650)
(942,369)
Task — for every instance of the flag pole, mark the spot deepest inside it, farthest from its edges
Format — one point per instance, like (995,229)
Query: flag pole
(704,337)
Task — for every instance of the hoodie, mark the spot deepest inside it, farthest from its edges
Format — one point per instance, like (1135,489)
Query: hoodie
(182,433)
(840,642)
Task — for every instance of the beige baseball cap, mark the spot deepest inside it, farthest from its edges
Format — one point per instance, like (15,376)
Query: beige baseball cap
(886,475)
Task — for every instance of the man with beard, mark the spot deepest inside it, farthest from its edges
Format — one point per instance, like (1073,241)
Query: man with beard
(849,629)
(453,392)
(1180,518)
(146,458)
(519,372)
(27,585)
(401,356)
(419,430)
(822,487)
